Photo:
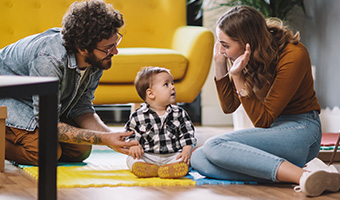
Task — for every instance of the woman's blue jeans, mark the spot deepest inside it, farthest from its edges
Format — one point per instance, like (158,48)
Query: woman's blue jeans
(255,154)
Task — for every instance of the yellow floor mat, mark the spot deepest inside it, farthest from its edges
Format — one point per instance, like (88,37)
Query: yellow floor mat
(104,168)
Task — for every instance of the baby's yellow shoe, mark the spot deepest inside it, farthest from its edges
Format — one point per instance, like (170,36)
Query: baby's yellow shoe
(173,170)
(145,170)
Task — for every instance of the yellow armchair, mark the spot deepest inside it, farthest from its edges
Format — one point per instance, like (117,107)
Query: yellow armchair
(155,34)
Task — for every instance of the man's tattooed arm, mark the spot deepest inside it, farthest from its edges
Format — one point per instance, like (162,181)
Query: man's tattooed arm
(71,134)
(116,141)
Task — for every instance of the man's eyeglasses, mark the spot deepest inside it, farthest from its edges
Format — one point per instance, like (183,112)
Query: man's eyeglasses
(108,51)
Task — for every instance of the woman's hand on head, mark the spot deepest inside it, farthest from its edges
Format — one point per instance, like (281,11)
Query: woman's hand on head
(241,62)
(219,58)
(220,61)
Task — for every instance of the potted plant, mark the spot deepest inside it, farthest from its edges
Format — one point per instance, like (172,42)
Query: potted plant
(269,8)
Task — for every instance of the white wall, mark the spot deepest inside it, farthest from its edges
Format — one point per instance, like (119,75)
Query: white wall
(212,114)
(320,33)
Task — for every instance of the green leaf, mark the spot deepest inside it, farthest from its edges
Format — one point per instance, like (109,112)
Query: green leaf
(269,8)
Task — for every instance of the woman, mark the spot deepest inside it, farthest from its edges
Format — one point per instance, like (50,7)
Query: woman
(264,67)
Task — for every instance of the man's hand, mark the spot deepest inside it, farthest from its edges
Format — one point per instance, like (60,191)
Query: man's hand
(116,141)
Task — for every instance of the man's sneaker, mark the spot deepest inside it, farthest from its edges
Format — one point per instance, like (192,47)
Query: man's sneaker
(174,170)
(314,183)
(317,164)
(145,170)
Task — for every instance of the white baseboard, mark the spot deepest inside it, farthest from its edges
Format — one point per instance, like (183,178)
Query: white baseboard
(330,120)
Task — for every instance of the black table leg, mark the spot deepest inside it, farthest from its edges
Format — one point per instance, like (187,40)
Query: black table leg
(47,147)
(335,150)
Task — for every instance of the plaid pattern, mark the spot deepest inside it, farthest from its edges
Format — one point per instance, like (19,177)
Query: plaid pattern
(156,136)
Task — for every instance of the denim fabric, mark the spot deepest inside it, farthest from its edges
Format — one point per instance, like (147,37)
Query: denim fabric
(44,55)
(255,154)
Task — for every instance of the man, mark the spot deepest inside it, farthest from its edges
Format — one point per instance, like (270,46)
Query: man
(77,54)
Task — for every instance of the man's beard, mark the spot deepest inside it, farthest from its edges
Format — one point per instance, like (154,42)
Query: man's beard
(99,63)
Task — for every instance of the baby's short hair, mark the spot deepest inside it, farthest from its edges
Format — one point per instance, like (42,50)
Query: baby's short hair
(145,77)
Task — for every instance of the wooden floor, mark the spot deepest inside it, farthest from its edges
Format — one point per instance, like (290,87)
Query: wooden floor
(16,185)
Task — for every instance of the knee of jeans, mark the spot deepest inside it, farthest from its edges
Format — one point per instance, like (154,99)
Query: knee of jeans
(210,144)
(214,147)
(199,162)
(196,158)
(214,141)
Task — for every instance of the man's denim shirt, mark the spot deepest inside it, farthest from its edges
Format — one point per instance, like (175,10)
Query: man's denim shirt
(44,55)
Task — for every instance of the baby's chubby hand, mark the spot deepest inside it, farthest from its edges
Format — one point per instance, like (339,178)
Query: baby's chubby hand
(136,151)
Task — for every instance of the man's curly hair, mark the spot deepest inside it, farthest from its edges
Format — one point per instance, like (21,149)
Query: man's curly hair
(88,22)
